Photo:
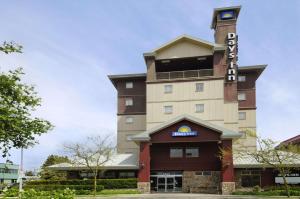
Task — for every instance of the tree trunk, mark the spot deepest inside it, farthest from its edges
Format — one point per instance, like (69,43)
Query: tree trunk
(95,183)
(286,186)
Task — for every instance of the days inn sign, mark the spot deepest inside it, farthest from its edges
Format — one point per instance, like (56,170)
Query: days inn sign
(184,131)
(232,44)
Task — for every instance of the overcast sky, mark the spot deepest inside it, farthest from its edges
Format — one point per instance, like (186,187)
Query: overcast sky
(71,46)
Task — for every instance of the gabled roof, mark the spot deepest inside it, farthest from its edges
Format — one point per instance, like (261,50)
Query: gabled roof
(214,46)
(225,133)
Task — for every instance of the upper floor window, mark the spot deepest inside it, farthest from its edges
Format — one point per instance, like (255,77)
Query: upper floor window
(129,102)
(176,152)
(242,115)
(241,96)
(168,109)
(129,84)
(241,78)
(192,152)
(129,120)
(199,87)
(199,108)
(168,88)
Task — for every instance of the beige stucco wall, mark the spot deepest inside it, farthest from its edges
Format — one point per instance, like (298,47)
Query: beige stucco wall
(250,120)
(124,130)
(184,99)
(184,49)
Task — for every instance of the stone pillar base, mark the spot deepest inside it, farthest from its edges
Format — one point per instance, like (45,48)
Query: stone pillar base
(227,187)
(143,187)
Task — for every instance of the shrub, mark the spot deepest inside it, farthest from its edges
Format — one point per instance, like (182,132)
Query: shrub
(34,194)
(13,192)
(128,183)
(61,187)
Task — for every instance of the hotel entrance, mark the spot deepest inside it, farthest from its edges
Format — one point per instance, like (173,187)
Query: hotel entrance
(166,181)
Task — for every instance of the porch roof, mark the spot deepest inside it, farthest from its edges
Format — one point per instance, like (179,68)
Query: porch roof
(117,161)
(225,133)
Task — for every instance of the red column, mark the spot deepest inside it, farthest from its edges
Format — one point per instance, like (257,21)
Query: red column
(227,162)
(144,162)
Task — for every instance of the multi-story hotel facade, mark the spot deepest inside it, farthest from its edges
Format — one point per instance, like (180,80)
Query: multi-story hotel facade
(175,119)
(193,100)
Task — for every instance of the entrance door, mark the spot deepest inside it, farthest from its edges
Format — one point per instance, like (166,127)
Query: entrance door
(161,184)
(170,184)
(165,184)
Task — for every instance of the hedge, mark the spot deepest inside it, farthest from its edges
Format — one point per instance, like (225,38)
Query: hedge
(61,187)
(127,183)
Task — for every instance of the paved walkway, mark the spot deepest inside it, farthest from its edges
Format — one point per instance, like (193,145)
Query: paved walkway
(184,196)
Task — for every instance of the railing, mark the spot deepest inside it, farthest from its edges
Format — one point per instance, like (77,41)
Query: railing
(184,74)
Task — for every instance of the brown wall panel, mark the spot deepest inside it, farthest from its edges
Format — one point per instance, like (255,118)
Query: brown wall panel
(138,93)
(207,160)
(204,134)
(250,81)
(250,101)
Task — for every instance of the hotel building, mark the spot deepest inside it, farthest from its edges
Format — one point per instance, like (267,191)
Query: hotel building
(193,101)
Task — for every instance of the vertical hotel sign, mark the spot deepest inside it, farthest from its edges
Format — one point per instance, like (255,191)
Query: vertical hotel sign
(232,45)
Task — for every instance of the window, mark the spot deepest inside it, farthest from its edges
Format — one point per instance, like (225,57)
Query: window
(199,87)
(129,84)
(176,152)
(242,115)
(241,96)
(168,109)
(128,174)
(168,88)
(243,134)
(203,173)
(241,78)
(250,178)
(199,108)
(128,101)
(191,152)
(129,120)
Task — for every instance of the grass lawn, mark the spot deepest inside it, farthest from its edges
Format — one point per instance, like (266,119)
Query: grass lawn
(111,192)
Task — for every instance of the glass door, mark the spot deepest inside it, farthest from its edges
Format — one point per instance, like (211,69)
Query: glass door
(161,184)
(170,184)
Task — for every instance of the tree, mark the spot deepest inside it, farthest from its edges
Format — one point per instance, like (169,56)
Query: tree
(29,173)
(92,154)
(270,154)
(18,128)
(48,174)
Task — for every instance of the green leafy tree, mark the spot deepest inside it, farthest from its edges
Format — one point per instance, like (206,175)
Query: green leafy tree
(18,128)
(48,174)
(269,154)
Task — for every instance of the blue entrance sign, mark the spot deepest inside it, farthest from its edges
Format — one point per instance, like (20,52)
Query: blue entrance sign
(184,131)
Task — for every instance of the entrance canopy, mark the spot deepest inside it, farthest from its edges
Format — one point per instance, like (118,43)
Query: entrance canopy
(184,131)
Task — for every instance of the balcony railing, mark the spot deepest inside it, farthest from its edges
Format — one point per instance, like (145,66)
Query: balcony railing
(184,74)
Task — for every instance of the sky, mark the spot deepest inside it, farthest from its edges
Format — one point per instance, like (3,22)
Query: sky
(71,46)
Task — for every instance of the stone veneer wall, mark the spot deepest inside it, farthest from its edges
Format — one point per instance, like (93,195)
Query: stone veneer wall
(144,187)
(227,187)
(192,183)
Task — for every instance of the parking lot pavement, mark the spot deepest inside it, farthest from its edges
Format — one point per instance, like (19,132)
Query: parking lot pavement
(183,196)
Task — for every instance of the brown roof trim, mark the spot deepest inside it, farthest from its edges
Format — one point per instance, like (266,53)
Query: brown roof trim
(247,108)
(113,78)
(254,68)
